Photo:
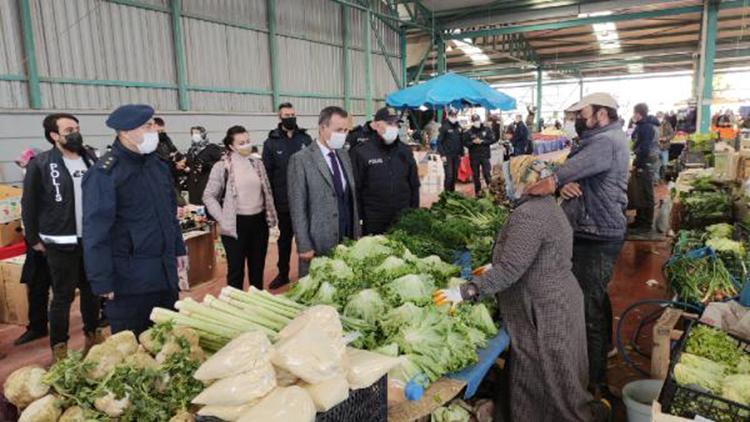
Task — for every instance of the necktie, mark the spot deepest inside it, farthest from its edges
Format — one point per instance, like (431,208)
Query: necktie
(337,185)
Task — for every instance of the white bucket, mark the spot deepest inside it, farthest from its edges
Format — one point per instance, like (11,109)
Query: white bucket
(638,396)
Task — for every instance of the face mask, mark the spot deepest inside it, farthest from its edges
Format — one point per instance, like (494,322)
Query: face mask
(477,124)
(149,143)
(289,123)
(570,129)
(390,135)
(580,126)
(452,120)
(337,140)
(73,142)
(196,138)
(244,150)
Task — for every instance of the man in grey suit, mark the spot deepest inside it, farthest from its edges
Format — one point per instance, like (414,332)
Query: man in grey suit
(322,198)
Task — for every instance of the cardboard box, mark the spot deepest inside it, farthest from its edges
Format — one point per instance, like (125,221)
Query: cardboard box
(10,233)
(14,306)
(10,203)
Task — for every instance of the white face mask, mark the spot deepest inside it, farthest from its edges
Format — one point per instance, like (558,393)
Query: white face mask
(149,143)
(196,138)
(390,135)
(337,141)
(477,124)
(570,129)
(244,150)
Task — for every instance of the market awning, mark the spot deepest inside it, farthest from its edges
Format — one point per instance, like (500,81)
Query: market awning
(451,89)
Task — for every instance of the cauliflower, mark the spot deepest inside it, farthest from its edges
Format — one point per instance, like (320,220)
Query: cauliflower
(42,410)
(148,342)
(182,416)
(25,385)
(140,360)
(73,414)
(172,345)
(124,342)
(105,357)
(111,405)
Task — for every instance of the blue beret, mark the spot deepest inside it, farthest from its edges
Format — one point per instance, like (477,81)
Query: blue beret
(130,116)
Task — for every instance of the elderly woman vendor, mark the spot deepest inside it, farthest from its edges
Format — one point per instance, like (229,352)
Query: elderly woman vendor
(541,305)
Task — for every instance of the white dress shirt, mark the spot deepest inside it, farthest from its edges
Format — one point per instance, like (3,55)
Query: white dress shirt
(325,151)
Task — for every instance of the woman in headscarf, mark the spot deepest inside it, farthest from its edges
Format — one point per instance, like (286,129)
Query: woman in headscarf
(201,157)
(540,302)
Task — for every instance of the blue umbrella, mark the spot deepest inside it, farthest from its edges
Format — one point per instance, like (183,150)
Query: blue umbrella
(451,89)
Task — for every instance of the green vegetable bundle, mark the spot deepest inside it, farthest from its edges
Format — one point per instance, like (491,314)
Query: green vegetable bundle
(702,280)
(705,204)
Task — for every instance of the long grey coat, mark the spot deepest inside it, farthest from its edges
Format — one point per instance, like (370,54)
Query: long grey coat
(542,308)
(312,201)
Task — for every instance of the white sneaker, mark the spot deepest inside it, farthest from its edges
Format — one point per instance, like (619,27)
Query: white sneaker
(612,353)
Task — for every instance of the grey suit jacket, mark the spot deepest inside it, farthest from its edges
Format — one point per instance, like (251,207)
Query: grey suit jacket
(312,200)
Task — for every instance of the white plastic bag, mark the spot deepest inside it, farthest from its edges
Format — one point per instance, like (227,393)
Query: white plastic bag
(227,413)
(323,316)
(329,393)
(248,351)
(290,404)
(365,367)
(310,355)
(285,378)
(239,389)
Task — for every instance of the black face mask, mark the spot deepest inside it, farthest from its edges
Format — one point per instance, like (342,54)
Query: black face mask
(580,126)
(289,123)
(162,136)
(73,142)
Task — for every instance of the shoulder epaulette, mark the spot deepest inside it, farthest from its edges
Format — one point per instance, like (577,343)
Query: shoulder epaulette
(106,162)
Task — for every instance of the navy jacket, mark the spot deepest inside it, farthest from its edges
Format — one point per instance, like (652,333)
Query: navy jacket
(361,134)
(520,140)
(450,141)
(600,165)
(131,236)
(277,150)
(479,151)
(646,138)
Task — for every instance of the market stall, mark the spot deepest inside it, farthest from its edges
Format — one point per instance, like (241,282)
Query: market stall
(546,143)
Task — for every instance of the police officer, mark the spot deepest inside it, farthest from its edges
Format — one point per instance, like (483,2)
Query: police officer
(385,173)
(451,148)
(283,142)
(478,140)
(133,246)
(360,135)
(52,217)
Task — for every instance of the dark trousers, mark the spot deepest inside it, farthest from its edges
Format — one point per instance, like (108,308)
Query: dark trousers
(593,264)
(284,243)
(644,190)
(451,172)
(67,273)
(375,227)
(133,312)
(38,282)
(486,171)
(250,246)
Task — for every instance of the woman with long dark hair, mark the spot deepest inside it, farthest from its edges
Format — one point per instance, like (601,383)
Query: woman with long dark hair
(238,195)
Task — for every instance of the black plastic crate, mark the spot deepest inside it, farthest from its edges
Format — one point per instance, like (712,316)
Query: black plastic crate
(688,402)
(364,405)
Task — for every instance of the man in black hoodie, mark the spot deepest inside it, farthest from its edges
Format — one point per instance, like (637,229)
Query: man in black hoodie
(52,211)
(451,147)
(282,143)
(646,148)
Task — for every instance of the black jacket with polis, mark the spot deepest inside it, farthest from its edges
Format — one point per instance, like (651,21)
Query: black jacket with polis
(361,134)
(277,150)
(451,140)
(48,203)
(479,151)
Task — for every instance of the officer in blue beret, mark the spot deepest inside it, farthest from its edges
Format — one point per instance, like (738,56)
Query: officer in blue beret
(132,242)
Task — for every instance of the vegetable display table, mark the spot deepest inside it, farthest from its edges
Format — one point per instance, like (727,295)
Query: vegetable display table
(201,255)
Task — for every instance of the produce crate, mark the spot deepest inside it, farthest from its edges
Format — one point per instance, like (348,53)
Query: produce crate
(364,405)
(689,402)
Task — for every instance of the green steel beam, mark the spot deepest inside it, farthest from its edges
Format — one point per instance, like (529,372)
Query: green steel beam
(422,62)
(13,78)
(367,39)
(388,62)
(442,66)
(708,55)
(382,15)
(402,39)
(29,47)
(229,90)
(140,5)
(109,82)
(273,43)
(183,97)
(570,23)
(346,61)
(538,98)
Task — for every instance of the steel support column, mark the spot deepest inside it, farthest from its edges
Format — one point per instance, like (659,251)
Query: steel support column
(442,64)
(538,98)
(183,98)
(346,59)
(29,47)
(402,38)
(708,54)
(580,87)
(367,39)
(273,49)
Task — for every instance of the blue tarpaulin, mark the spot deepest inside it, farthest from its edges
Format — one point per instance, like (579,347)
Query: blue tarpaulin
(473,375)
(451,89)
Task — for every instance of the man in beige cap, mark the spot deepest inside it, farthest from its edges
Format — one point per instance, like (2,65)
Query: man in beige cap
(593,183)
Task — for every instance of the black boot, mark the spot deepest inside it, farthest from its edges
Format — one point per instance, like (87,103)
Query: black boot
(278,282)
(29,336)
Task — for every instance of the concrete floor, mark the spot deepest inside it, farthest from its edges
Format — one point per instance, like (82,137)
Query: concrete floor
(638,263)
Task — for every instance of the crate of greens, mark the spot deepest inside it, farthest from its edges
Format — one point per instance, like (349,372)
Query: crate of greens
(709,376)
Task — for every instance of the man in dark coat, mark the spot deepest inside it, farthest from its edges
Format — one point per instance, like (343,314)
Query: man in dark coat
(166,149)
(451,148)
(360,135)
(646,148)
(201,157)
(133,246)
(283,142)
(52,216)
(520,140)
(478,140)
(386,176)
